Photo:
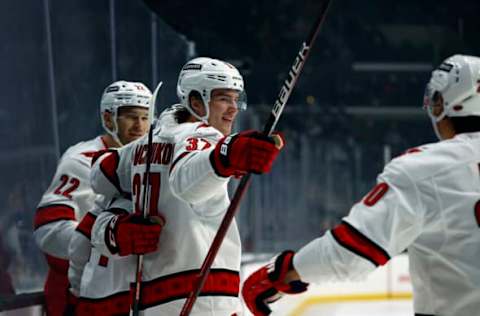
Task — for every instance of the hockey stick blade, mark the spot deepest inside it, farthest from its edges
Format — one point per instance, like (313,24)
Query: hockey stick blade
(146,199)
(153,102)
(272,121)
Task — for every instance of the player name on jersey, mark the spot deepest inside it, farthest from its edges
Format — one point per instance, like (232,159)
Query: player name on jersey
(162,154)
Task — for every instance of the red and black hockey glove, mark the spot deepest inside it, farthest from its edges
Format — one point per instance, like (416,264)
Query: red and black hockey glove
(133,234)
(249,151)
(267,284)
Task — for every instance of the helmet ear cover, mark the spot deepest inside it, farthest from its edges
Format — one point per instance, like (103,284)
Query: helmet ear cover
(203,75)
(194,99)
(107,118)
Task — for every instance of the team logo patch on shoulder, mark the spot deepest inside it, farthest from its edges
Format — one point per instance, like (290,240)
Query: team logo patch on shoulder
(192,67)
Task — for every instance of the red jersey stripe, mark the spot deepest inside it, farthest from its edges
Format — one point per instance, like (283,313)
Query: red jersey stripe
(115,304)
(85,226)
(349,237)
(220,282)
(52,213)
(182,155)
(109,167)
(98,154)
(58,265)
(476,210)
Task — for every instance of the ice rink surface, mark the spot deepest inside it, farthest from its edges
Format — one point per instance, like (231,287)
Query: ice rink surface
(385,291)
(361,308)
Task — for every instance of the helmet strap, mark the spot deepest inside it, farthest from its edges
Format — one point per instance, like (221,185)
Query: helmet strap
(114,131)
(435,129)
(203,118)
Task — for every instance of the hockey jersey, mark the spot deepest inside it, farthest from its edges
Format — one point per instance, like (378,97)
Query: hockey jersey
(184,189)
(97,270)
(426,201)
(66,201)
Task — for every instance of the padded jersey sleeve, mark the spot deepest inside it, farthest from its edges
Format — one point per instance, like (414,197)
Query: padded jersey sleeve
(105,212)
(387,220)
(111,173)
(192,177)
(68,196)
(99,229)
(80,246)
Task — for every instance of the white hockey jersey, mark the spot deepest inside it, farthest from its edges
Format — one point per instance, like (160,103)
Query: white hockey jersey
(426,201)
(79,249)
(65,202)
(97,270)
(67,199)
(185,190)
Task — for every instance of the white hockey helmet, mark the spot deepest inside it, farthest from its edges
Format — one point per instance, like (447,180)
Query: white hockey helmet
(203,74)
(123,93)
(457,80)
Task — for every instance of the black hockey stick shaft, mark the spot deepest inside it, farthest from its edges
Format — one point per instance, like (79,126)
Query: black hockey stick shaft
(139,270)
(269,127)
(145,202)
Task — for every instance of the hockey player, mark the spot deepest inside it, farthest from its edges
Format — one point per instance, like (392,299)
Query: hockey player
(426,201)
(124,113)
(94,298)
(192,161)
(105,283)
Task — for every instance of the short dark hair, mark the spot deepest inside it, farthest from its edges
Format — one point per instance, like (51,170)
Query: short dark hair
(466,124)
(182,115)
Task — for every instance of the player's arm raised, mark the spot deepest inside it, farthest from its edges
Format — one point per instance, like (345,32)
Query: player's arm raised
(383,224)
(203,164)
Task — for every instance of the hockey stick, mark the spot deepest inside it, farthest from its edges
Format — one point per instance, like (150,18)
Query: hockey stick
(145,200)
(272,121)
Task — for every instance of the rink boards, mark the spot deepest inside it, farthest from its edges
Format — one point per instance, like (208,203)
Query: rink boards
(387,288)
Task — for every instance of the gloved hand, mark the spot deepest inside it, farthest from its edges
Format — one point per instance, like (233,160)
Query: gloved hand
(267,284)
(248,151)
(133,234)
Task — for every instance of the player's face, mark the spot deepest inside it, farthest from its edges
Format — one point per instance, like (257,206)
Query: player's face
(223,109)
(132,123)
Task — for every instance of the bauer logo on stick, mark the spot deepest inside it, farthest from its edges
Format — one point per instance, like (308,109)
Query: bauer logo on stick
(289,83)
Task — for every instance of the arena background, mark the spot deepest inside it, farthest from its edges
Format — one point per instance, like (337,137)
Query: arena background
(357,104)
